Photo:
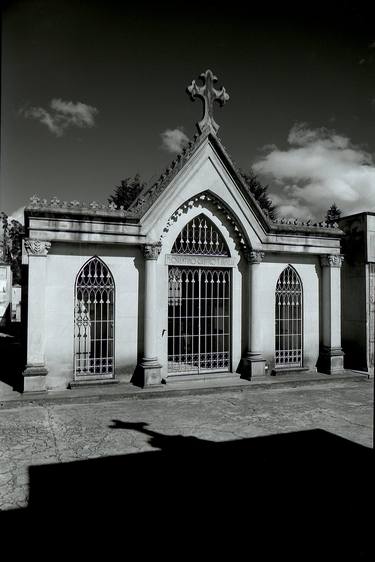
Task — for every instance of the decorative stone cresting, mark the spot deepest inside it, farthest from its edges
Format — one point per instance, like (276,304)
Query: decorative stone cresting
(331,260)
(152,251)
(37,202)
(145,200)
(37,247)
(309,222)
(207,199)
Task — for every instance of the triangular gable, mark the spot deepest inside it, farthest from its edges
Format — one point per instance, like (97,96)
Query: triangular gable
(148,197)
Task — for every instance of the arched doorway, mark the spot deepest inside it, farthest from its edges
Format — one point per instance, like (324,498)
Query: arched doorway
(94,322)
(199,301)
(288,316)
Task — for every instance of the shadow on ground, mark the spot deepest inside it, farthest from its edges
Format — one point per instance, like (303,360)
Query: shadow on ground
(308,490)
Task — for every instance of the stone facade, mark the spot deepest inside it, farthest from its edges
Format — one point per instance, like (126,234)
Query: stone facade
(137,248)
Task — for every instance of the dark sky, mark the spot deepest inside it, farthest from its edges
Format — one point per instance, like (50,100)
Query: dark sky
(312,65)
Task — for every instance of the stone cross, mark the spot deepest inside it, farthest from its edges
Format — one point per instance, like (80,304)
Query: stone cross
(208,95)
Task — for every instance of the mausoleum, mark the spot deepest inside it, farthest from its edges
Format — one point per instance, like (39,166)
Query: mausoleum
(193,280)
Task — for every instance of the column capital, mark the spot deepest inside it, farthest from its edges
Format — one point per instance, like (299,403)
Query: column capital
(37,247)
(331,260)
(254,256)
(152,251)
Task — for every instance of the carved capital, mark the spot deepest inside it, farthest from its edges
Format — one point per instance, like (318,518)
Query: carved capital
(254,256)
(331,260)
(152,251)
(37,247)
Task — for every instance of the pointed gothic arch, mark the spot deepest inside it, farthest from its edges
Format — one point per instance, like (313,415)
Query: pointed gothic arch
(206,201)
(289,319)
(200,236)
(94,329)
(199,302)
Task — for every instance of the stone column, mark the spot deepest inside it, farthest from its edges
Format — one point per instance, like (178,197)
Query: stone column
(331,357)
(151,368)
(35,371)
(254,364)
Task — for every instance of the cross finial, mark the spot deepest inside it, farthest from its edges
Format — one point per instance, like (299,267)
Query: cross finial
(208,95)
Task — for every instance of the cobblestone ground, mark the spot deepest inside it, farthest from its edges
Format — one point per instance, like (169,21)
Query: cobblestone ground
(35,435)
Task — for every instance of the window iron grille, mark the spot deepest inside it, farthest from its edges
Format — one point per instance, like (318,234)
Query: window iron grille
(288,315)
(199,320)
(200,237)
(94,321)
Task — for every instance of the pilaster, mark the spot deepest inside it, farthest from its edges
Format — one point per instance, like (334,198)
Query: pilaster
(150,366)
(331,356)
(34,375)
(253,365)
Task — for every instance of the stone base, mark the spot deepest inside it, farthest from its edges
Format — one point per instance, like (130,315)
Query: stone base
(92,382)
(34,378)
(253,367)
(149,373)
(331,360)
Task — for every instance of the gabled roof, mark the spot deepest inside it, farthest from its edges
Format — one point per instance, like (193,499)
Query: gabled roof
(150,194)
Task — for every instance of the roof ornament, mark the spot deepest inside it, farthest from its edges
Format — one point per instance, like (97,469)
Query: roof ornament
(208,95)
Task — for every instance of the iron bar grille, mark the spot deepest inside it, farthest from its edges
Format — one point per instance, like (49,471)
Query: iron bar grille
(288,332)
(200,237)
(199,320)
(94,321)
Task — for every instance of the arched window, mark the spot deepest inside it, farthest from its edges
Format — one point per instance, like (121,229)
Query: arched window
(288,314)
(94,321)
(200,237)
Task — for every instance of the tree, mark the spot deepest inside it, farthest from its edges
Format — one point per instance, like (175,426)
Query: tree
(333,214)
(260,193)
(13,232)
(126,193)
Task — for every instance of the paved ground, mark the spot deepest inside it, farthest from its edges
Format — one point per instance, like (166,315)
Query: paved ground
(49,433)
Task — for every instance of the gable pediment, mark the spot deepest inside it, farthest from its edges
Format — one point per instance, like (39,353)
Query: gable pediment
(206,168)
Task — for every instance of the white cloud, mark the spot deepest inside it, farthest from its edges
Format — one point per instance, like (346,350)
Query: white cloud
(18,215)
(63,114)
(320,167)
(174,140)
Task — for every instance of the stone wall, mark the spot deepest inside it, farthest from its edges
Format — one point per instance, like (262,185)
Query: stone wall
(63,265)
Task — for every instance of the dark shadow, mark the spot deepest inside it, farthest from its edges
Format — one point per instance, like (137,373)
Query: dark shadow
(12,359)
(293,493)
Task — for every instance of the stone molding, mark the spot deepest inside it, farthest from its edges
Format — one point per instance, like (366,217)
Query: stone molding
(152,251)
(254,256)
(37,202)
(331,260)
(209,201)
(204,261)
(37,247)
